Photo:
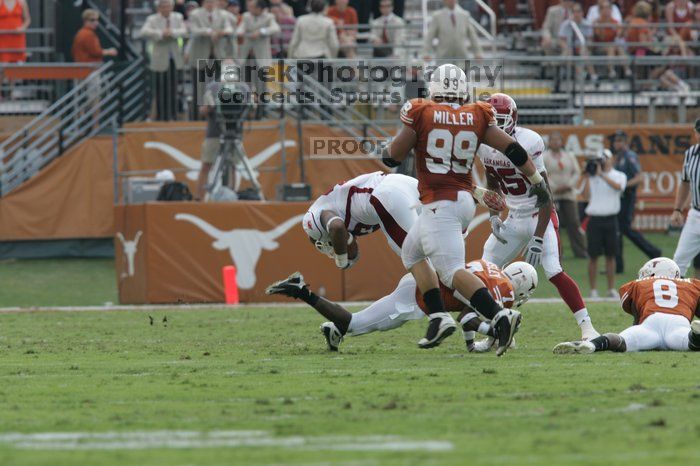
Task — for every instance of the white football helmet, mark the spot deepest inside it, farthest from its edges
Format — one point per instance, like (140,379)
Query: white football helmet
(448,81)
(319,236)
(660,267)
(523,277)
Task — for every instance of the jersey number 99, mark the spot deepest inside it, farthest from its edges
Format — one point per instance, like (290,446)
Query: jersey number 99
(450,153)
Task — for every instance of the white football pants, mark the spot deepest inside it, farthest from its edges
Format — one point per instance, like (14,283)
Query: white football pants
(689,242)
(658,332)
(437,235)
(389,312)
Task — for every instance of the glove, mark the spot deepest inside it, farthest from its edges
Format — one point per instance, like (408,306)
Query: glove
(540,190)
(533,254)
(497,227)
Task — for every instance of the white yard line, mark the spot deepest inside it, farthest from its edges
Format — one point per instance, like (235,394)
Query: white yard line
(176,439)
(224,307)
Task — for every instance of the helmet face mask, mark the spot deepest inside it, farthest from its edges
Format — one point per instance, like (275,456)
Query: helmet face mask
(523,278)
(660,267)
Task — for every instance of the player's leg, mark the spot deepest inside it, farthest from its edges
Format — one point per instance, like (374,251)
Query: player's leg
(644,337)
(415,261)
(443,243)
(295,287)
(676,332)
(694,336)
(607,342)
(689,242)
(595,250)
(389,312)
(503,254)
(566,286)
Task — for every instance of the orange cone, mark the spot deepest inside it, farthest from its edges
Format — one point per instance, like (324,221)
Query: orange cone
(230,284)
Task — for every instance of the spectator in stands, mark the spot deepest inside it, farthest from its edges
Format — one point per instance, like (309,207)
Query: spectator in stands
(564,172)
(694,33)
(607,33)
(14,16)
(678,12)
(314,35)
(190,6)
(627,161)
(569,41)
(86,45)
(639,33)
(594,12)
(555,17)
(207,27)
(345,18)
(164,30)
(257,27)
(284,15)
(387,32)
(451,26)
(229,41)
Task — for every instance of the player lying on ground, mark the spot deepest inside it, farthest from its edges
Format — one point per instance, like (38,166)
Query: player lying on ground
(446,131)
(663,306)
(367,203)
(529,230)
(511,287)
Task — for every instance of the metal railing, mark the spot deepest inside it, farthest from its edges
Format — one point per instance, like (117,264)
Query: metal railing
(113,92)
(45,52)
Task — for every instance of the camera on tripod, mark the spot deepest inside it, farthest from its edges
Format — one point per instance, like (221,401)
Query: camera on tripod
(232,108)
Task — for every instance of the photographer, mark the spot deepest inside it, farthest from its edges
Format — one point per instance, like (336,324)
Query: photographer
(603,186)
(627,161)
(225,119)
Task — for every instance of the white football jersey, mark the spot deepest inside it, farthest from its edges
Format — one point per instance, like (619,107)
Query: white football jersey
(350,200)
(514,185)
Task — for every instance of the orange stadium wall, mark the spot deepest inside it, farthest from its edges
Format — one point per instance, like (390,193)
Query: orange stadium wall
(174,252)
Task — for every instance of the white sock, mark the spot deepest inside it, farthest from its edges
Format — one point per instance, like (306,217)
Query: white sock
(582,317)
(484,328)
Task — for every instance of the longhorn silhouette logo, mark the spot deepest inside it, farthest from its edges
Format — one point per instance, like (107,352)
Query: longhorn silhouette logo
(130,248)
(193,165)
(245,245)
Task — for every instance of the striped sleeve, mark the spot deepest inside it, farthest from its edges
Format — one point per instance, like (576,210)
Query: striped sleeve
(684,172)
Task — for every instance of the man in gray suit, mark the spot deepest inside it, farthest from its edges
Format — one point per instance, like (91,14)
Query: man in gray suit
(315,35)
(555,17)
(208,27)
(164,30)
(256,28)
(452,27)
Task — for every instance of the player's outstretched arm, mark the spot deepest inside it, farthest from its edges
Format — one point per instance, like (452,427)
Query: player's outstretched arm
(339,235)
(535,247)
(503,142)
(395,152)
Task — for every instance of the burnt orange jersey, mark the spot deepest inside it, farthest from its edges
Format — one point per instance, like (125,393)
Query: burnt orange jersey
(666,295)
(494,279)
(448,136)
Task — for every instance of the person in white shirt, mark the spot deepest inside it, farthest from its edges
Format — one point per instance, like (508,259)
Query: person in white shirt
(603,187)
(594,12)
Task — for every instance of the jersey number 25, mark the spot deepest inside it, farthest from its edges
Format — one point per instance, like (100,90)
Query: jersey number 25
(442,146)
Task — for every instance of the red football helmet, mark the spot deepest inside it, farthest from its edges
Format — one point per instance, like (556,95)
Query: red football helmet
(506,111)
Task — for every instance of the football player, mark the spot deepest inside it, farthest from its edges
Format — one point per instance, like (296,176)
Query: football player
(446,132)
(663,305)
(365,204)
(530,230)
(511,287)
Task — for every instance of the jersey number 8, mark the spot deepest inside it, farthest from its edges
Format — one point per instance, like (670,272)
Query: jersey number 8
(665,294)
(442,146)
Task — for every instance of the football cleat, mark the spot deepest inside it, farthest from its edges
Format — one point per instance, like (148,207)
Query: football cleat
(485,345)
(694,336)
(588,333)
(290,286)
(574,347)
(505,323)
(441,326)
(332,334)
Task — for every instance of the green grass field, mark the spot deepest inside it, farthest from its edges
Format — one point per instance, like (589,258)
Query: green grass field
(261,378)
